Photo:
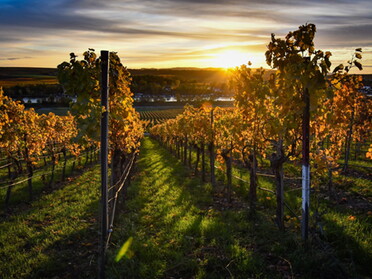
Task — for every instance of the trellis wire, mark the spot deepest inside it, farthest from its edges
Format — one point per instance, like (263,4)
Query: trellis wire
(123,179)
(36,176)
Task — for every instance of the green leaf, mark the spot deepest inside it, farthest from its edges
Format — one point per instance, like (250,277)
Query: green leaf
(124,250)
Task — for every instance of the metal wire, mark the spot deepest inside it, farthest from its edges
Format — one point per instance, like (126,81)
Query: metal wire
(36,176)
(125,176)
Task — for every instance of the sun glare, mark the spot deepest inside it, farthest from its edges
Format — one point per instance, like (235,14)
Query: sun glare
(231,58)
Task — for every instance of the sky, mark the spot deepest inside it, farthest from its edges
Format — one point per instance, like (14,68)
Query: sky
(177,33)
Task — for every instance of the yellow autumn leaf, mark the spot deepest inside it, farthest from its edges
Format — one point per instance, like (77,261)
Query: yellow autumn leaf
(124,249)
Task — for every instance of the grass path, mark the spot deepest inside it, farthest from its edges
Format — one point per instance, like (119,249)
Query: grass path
(180,229)
(183,229)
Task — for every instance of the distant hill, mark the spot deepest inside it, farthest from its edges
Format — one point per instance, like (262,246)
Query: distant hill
(209,75)
(23,72)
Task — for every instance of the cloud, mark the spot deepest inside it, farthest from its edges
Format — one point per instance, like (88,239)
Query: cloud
(347,35)
(154,29)
(10,58)
(14,58)
(183,18)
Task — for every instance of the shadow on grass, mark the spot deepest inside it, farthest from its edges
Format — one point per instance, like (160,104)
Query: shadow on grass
(178,231)
(350,237)
(72,256)
(19,198)
(56,237)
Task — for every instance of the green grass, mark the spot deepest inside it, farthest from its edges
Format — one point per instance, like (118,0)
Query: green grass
(354,185)
(56,235)
(346,217)
(177,229)
(181,228)
(19,192)
(350,234)
(363,163)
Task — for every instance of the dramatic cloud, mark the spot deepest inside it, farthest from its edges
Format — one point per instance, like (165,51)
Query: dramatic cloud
(10,58)
(167,33)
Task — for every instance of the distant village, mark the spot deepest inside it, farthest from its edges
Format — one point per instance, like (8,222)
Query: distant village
(138,98)
(150,98)
(166,95)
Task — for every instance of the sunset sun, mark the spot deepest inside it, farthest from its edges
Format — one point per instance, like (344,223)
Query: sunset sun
(230,58)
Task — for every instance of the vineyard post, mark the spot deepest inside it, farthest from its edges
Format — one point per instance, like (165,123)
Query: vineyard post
(305,164)
(203,162)
(213,179)
(104,158)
